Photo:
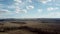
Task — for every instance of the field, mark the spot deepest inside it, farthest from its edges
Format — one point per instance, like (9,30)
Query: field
(29,27)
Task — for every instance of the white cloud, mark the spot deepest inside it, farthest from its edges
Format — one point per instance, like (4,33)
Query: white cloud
(40,10)
(18,1)
(51,8)
(21,11)
(57,4)
(1,5)
(54,14)
(30,0)
(18,4)
(56,8)
(45,1)
(49,0)
(11,7)
(17,10)
(4,11)
(30,7)
(24,10)
(51,15)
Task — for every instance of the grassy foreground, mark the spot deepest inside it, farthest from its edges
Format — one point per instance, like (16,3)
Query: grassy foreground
(29,27)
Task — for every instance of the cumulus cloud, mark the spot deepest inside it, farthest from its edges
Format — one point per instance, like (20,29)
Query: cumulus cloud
(45,1)
(30,7)
(24,10)
(4,11)
(51,15)
(1,5)
(23,6)
(21,11)
(54,14)
(17,10)
(40,10)
(18,4)
(51,8)
(19,1)
(11,7)
(57,4)
(30,0)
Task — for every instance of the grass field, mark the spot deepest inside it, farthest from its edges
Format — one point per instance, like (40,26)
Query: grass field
(29,27)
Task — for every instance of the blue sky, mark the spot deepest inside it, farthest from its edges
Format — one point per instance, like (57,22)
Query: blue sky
(29,8)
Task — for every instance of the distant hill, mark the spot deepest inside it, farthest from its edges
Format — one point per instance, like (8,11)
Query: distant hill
(43,20)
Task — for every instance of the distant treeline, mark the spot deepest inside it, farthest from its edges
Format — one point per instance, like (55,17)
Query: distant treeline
(42,20)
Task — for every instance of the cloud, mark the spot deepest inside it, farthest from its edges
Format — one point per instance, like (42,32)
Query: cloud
(45,1)
(17,10)
(2,11)
(40,10)
(51,8)
(30,0)
(57,4)
(21,11)
(24,10)
(52,15)
(1,6)
(11,7)
(18,5)
(30,7)
(19,1)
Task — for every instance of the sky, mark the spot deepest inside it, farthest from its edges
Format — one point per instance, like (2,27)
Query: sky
(29,9)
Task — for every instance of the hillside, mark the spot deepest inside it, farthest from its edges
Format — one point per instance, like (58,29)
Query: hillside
(29,27)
